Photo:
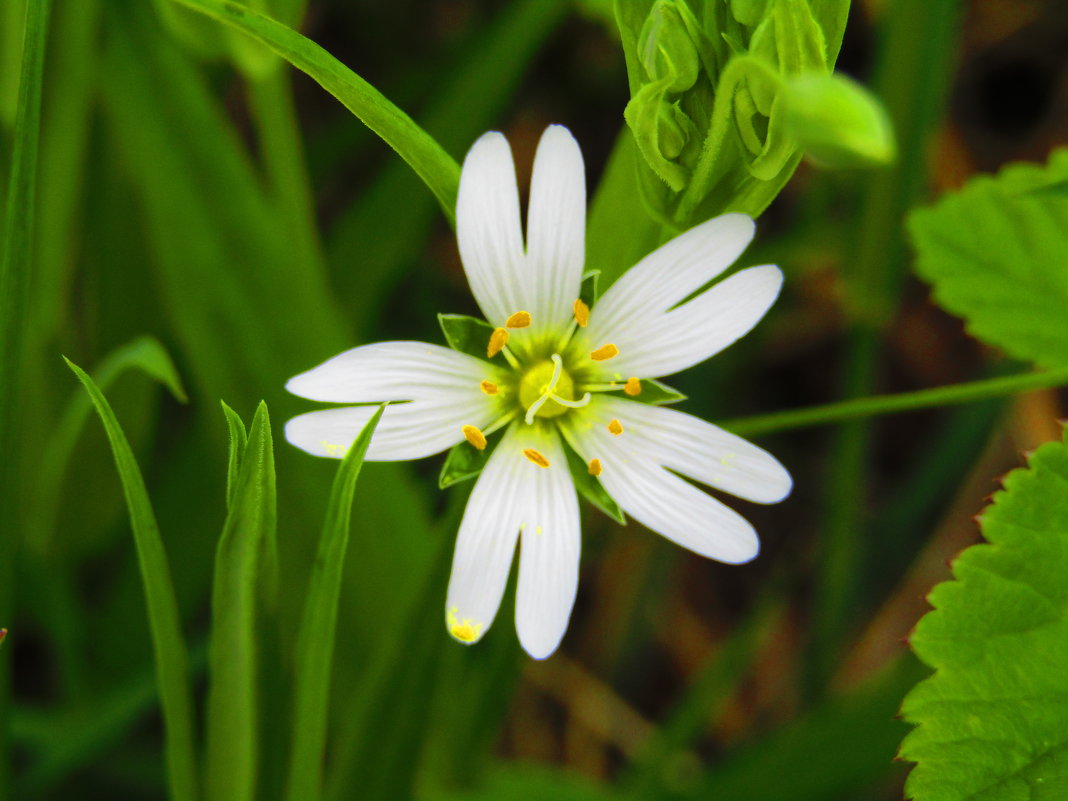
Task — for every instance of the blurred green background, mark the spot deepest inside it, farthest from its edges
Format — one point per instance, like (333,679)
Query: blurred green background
(248,222)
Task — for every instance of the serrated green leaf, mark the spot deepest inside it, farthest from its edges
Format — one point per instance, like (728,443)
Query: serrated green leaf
(590,488)
(995,254)
(318,628)
(466,334)
(992,720)
(463,463)
(438,169)
(172,673)
(232,724)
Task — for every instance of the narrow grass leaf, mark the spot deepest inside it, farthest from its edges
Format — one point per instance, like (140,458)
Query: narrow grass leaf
(438,170)
(992,720)
(315,642)
(172,660)
(145,354)
(238,441)
(232,725)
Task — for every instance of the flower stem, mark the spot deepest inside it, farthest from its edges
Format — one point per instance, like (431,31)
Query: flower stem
(876,405)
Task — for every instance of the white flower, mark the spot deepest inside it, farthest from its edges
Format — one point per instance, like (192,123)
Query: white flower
(559,375)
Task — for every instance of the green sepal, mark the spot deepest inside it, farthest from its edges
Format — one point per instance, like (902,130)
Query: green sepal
(465,462)
(588,291)
(590,488)
(654,393)
(465,334)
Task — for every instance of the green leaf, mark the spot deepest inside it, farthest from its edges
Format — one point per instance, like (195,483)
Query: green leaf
(590,488)
(145,354)
(232,725)
(172,673)
(238,441)
(438,169)
(992,720)
(588,289)
(994,253)
(318,629)
(468,335)
(463,462)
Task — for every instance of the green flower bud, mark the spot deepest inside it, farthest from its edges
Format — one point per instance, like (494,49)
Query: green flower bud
(748,12)
(837,122)
(666,50)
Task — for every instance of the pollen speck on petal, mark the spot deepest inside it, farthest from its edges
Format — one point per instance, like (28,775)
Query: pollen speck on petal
(489,388)
(498,339)
(536,457)
(521,319)
(475,437)
(582,313)
(595,467)
(604,352)
(633,387)
(615,428)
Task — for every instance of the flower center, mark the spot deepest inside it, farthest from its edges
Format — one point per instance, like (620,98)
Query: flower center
(542,386)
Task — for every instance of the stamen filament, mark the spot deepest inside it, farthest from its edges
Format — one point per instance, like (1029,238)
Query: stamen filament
(512,360)
(499,423)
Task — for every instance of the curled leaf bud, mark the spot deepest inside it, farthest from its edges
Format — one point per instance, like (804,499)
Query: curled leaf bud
(837,121)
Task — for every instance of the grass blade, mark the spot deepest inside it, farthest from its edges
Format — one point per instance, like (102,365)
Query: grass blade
(172,660)
(438,169)
(315,643)
(145,354)
(232,725)
(238,441)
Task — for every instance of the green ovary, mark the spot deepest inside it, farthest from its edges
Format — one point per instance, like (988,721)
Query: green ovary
(535,383)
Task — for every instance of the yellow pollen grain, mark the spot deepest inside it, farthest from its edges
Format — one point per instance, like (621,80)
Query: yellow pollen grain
(475,437)
(615,428)
(489,387)
(582,313)
(595,467)
(604,352)
(536,457)
(498,339)
(521,319)
(633,387)
(464,632)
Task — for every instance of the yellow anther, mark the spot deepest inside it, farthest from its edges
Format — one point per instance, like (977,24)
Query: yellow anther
(582,313)
(604,352)
(595,467)
(489,388)
(521,319)
(633,387)
(498,339)
(536,457)
(475,437)
(615,428)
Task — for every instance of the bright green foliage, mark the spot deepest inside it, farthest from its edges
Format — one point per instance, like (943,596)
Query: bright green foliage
(167,641)
(995,254)
(318,629)
(591,489)
(464,461)
(431,163)
(238,441)
(232,726)
(466,334)
(993,719)
(706,109)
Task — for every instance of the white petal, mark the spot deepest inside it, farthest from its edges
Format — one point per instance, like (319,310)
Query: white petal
(668,275)
(488,228)
(486,541)
(549,549)
(670,506)
(700,450)
(390,371)
(406,431)
(556,228)
(672,341)
(655,497)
